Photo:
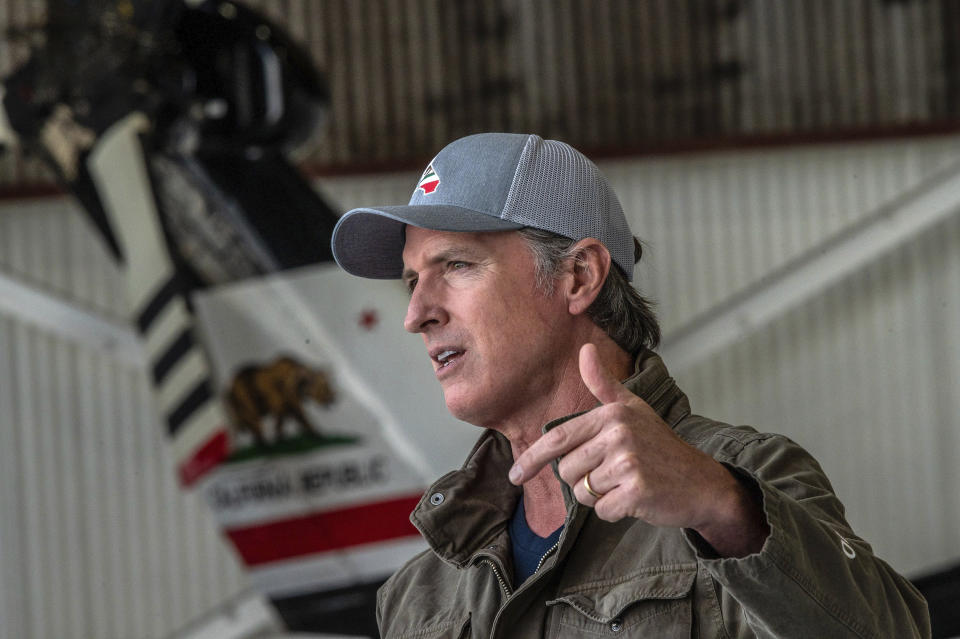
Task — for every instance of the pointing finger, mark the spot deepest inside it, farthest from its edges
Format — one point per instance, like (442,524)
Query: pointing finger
(555,443)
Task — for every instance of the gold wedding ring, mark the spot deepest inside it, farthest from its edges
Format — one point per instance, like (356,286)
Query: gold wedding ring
(589,489)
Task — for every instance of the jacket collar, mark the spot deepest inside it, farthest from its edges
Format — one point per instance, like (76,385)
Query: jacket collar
(477,501)
(652,382)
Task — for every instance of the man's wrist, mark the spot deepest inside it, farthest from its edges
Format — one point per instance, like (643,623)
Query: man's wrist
(737,526)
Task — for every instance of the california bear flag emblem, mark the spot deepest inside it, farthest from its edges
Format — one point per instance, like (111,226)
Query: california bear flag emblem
(428,181)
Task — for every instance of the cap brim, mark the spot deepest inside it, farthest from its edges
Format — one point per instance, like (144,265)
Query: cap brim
(368,242)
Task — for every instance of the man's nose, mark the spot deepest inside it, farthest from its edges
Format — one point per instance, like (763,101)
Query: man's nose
(424,310)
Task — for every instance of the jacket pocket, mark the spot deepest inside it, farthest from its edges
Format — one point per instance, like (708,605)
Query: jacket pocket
(455,629)
(649,604)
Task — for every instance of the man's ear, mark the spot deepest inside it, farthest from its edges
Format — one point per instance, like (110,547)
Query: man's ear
(589,269)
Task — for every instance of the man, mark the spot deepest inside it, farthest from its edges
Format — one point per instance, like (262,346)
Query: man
(594,502)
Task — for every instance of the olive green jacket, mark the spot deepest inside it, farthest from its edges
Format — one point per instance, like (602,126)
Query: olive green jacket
(813,578)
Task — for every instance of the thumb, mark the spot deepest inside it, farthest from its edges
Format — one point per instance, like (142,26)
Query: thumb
(598,379)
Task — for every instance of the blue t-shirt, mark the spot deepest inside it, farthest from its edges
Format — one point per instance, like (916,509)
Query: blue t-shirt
(528,546)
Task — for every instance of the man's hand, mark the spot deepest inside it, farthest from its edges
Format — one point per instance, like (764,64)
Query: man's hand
(642,469)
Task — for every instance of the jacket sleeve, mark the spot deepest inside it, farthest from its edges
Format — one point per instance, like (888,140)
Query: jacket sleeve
(813,577)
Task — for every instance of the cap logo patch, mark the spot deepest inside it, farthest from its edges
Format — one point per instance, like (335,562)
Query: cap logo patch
(429,181)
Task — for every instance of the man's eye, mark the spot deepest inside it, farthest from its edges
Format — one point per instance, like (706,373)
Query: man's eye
(411,284)
(457,265)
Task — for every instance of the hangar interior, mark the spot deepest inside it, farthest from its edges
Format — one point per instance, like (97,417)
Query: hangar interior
(793,167)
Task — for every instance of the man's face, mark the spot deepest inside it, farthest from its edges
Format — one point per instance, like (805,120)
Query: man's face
(493,337)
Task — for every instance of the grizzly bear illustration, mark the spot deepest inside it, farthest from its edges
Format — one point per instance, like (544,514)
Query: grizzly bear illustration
(278,390)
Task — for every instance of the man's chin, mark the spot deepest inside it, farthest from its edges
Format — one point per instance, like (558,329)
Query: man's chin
(459,412)
(462,407)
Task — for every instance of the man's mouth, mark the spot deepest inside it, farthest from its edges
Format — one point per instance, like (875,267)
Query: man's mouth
(447,356)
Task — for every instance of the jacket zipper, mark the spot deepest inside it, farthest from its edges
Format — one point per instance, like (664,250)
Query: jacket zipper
(499,576)
(496,572)
(545,555)
(503,584)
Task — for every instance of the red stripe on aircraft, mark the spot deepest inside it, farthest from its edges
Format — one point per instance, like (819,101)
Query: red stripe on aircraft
(326,531)
(205,458)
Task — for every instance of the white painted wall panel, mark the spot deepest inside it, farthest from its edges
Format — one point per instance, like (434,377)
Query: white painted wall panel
(50,244)
(96,538)
(864,377)
(718,222)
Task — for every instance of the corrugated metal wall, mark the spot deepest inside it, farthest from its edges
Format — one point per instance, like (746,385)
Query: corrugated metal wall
(717,223)
(863,374)
(409,75)
(48,243)
(406,76)
(96,538)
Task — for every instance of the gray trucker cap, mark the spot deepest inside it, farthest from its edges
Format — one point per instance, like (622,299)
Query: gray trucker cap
(490,182)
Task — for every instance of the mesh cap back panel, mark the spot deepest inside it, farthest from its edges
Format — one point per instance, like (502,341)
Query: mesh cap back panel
(558,189)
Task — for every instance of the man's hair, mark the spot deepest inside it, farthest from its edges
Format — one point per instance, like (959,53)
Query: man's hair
(619,309)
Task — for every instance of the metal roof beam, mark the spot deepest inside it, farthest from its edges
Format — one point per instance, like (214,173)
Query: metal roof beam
(67,319)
